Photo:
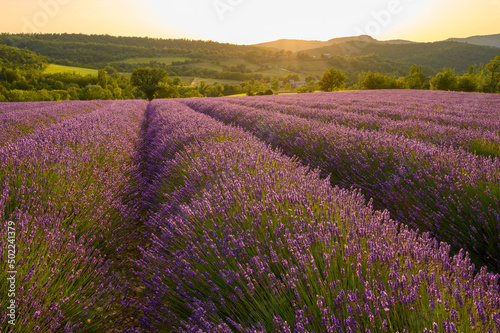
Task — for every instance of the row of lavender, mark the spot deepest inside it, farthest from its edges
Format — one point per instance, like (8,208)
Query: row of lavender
(439,107)
(246,239)
(61,186)
(20,119)
(441,118)
(449,192)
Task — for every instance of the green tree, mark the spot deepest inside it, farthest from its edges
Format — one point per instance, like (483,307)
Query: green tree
(331,80)
(286,79)
(219,89)
(101,78)
(117,93)
(74,93)
(249,90)
(494,68)
(3,93)
(311,86)
(177,81)
(59,95)
(203,88)
(93,92)
(167,91)
(43,95)
(231,89)
(416,78)
(466,83)
(445,80)
(378,81)
(111,71)
(471,70)
(193,93)
(148,79)
(310,78)
(58,85)
(275,83)
(10,75)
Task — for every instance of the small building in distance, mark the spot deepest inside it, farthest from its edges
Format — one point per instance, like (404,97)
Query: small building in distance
(296,84)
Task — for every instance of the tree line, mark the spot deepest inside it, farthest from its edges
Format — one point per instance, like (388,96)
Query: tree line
(22,79)
(97,51)
(430,55)
(478,79)
(26,86)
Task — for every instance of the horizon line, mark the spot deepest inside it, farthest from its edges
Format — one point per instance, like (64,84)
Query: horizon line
(241,44)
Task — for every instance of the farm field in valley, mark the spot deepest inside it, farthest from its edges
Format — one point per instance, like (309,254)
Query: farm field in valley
(53,69)
(145,60)
(198,80)
(325,212)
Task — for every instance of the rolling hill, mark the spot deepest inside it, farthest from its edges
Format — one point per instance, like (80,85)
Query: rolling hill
(219,61)
(297,45)
(435,55)
(487,40)
(20,58)
(95,51)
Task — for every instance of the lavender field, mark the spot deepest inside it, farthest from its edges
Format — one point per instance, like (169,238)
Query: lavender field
(372,211)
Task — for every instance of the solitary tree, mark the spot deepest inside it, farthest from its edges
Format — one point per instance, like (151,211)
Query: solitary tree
(148,79)
(332,79)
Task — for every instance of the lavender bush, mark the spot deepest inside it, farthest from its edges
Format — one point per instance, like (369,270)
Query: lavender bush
(62,188)
(246,239)
(21,118)
(439,107)
(226,234)
(436,118)
(449,192)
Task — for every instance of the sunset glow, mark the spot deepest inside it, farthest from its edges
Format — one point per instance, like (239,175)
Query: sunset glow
(248,22)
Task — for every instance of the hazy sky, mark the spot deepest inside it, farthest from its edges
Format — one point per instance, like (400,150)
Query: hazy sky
(254,21)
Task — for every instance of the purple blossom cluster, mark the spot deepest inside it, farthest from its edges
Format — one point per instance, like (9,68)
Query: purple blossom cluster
(246,239)
(62,186)
(464,110)
(439,118)
(21,118)
(156,217)
(449,192)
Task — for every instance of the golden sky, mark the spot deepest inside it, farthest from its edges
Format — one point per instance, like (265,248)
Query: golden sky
(254,21)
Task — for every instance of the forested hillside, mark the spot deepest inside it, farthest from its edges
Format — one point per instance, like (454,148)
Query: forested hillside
(434,55)
(84,67)
(96,50)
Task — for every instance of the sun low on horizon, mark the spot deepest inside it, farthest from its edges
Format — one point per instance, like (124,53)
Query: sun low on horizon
(251,22)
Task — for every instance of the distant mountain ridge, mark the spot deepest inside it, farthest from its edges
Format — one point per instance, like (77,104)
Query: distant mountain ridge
(458,54)
(436,55)
(486,40)
(208,59)
(297,45)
